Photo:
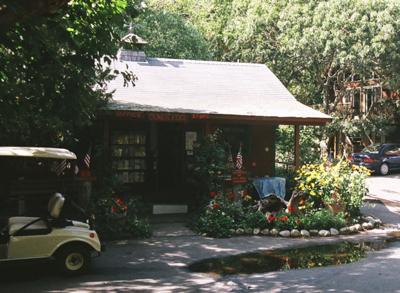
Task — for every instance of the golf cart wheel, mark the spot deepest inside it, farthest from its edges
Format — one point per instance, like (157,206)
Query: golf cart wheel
(384,169)
(73,260)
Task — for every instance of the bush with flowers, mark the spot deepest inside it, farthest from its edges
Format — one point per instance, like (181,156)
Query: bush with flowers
(210,160)
(227,212)
(317,220)
(118,218)
(339,187)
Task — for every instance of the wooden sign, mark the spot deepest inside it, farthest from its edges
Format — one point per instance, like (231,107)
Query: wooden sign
(239,177)
(153,116)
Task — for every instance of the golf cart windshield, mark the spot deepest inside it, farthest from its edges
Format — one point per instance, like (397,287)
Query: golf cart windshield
(30,175)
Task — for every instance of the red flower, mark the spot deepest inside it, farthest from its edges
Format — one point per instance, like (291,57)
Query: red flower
(298,222)
(291,208)
(215,206)
(283,218)
(212,194)
(219,193)
(271,218)
(119,205)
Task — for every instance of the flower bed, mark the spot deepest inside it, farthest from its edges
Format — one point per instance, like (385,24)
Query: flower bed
(326,202)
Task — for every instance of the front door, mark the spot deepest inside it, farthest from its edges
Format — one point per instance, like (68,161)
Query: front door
(170,163)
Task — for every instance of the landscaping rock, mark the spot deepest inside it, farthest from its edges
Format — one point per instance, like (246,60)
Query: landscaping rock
(367,226)
(358,227)
(232,231)
(295,233)
(314,232)
(324,233)
(369,219)
(334,232)
(353,229)
(284,233)
(274,232)
(344,231)
(248,231)
(265,231)
(305,233)
(256,231)
(239,231)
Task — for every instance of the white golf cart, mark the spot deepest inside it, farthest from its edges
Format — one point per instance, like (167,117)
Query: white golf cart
(70,243)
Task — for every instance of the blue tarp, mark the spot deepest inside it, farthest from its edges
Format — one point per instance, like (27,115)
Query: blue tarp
(267,185)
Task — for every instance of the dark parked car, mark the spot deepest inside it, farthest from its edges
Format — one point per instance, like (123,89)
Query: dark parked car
(378,158)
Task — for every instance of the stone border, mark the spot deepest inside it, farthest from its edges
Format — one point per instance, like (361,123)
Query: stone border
(367,223)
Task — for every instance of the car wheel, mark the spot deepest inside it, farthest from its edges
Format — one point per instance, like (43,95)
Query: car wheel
(384,169)
(73,260)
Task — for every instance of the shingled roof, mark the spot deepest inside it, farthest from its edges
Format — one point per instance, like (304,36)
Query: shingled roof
(218,89)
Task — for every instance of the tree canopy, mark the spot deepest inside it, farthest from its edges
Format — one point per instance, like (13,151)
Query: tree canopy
(52,73)
(169,35)
(315,47)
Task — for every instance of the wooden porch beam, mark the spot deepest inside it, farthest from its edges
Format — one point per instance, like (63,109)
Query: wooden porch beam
(297,147)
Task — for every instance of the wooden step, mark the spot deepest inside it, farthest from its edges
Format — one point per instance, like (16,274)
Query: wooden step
(162,209)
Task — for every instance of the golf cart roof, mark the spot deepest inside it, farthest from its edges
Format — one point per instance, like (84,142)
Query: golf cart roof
(37,152)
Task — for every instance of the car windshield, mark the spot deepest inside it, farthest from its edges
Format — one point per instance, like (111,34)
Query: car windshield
(373,148)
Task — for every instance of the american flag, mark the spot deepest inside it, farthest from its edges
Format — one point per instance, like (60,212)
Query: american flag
(239,158)
(60,167)
(86,159)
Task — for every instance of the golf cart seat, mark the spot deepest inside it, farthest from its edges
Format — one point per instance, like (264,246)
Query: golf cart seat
(36,225)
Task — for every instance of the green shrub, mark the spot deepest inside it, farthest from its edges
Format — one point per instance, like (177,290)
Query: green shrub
(287,221)
(210,160)
(339,187)
(220,216)
(118,219)
(322,219)
(253,219)
(215,222)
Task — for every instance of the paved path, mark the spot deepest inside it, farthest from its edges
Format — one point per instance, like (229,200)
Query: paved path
(159,264)
(383,200)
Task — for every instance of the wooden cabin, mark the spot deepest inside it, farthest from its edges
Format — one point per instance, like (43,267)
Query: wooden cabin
(150,129)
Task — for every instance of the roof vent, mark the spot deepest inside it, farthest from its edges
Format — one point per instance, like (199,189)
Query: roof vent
(130,55)
(132,48)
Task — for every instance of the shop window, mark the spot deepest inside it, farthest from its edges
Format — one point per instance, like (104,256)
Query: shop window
(348,97)
(129,156)
(372,95)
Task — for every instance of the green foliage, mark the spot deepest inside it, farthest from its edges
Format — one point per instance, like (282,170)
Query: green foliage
(253,219)
(323,219)
(309,144)
(119,219)
(286,221)
(210,160)
(317,219)
(219,217)
(215,223)
(52,73)
(170,35)
(315,47)
(338,186)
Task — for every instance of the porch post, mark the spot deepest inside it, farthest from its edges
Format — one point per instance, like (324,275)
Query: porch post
(106,134)
(297,146)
